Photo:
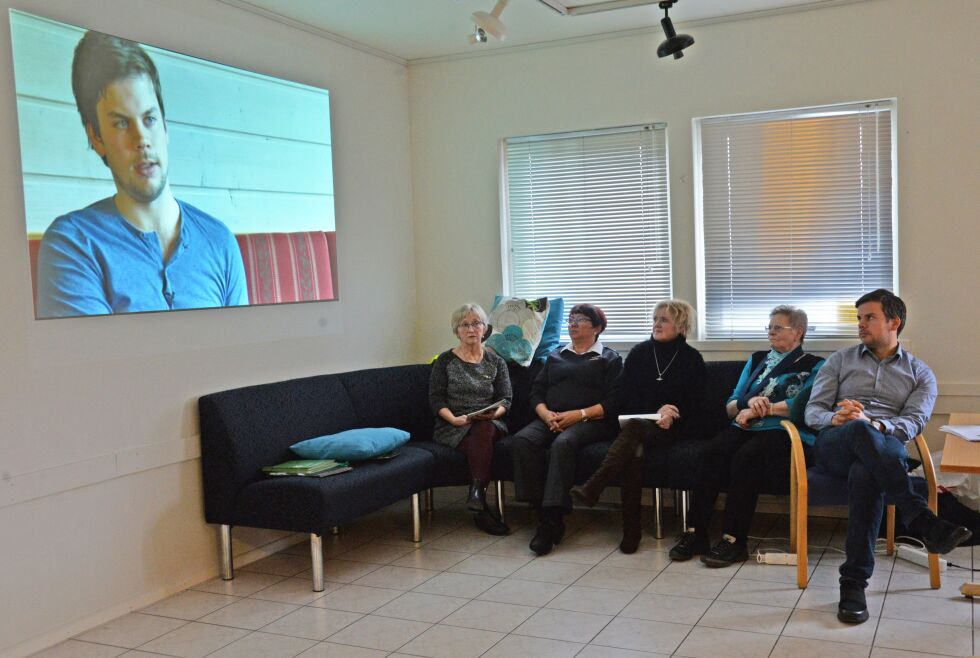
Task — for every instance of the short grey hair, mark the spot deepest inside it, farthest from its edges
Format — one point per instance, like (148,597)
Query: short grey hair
(797,317)
(682,313)
(463,311)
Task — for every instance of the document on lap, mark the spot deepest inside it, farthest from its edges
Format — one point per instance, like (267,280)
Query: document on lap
(489,407)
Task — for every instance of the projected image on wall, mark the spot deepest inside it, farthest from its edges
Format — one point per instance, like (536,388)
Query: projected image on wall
(155,181)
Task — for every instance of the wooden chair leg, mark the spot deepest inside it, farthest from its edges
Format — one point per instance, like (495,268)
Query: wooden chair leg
(802,565)
(890,530)
(930,472)
(792,512)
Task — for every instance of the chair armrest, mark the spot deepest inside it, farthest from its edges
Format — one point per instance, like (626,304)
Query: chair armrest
(797,463)
(929,471)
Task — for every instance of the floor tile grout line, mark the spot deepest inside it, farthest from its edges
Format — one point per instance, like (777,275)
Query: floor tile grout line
(597,525)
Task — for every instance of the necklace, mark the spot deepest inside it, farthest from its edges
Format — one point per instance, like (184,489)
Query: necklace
(661,373)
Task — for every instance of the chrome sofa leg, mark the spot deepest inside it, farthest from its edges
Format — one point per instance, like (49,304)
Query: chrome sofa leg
(227,563)
(658,508)
(316,553)
(416,519)
(684,507)
(430,503)
(335,530)
(500,499)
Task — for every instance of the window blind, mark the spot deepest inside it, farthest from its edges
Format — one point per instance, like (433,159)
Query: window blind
(795,207)
(587,219)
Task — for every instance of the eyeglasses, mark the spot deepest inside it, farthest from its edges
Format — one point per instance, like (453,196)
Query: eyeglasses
(578,319)
(466,326)
(775,329)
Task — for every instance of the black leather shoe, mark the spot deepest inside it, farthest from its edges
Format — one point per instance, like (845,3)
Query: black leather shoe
(853,607)
(689,545)
(488,522)
(476,499)
(550,533)
(725,553)
(942,536)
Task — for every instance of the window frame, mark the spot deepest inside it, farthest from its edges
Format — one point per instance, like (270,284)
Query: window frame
(824,344)
(609,338)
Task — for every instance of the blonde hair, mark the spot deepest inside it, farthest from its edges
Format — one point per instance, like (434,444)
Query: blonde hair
(682,313)
(463,311)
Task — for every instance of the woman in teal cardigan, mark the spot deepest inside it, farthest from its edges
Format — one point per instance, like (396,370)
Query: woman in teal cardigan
(754,450)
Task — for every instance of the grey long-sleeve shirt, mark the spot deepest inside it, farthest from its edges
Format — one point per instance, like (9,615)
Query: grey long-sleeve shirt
(899,391)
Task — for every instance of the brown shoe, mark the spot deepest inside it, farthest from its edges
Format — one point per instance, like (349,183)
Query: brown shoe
(621,452)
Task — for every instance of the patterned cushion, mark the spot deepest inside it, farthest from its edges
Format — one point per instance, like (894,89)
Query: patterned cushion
(517,326)
(286,267)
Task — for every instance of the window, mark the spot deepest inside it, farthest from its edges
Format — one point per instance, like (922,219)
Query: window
(794,207)
(586,218)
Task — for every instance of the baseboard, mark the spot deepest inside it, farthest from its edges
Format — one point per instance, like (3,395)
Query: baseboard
(69,631)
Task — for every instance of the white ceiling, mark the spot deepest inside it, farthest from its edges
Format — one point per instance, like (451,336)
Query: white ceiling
(422,29)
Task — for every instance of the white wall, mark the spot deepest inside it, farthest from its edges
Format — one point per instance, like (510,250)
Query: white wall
(925,54)
(105,408)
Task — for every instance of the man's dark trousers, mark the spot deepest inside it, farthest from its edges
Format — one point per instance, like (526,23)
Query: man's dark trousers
(874,464)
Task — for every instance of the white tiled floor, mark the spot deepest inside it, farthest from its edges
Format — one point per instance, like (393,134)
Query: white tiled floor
(463,594)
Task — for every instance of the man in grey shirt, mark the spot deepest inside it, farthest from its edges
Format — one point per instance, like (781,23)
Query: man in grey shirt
(867,402)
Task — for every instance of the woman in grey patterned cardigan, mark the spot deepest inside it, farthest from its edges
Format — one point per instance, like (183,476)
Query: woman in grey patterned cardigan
(465,380)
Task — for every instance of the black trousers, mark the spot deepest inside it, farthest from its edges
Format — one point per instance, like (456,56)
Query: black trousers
(544,461)
(743,463)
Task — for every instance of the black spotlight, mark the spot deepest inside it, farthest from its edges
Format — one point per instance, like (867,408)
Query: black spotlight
(675,43)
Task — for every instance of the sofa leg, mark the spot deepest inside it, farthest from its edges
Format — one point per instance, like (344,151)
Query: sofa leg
(677,502)
(658,508)
(335,530)
(684,507)
(500,499)
(227,563)
(430,503)
(416,519)
(316,553)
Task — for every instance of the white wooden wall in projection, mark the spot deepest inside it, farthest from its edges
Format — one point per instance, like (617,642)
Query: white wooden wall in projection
(251,150)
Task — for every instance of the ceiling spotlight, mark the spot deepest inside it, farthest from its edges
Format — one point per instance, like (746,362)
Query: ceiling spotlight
(479,36)
(675,43)
(490,23)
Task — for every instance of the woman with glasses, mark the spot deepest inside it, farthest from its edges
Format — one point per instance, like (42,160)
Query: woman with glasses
(663,375)
(754,450)
(464,382)
(573,397)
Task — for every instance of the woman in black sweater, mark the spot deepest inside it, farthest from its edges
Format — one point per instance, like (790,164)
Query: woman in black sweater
(574,397)
(663,375)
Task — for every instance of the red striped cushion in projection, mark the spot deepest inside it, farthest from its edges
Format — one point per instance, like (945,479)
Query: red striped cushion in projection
(286,267)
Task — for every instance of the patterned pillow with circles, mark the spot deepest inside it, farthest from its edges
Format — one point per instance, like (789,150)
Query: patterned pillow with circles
(517,327)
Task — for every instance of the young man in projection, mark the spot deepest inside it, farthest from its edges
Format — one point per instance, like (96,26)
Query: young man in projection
(141,249)
(868,401)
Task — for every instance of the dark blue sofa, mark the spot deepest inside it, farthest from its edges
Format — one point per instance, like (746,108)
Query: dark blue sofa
(247,428)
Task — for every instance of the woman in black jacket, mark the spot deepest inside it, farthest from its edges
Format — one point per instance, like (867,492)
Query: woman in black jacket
(574,399)
(665,376)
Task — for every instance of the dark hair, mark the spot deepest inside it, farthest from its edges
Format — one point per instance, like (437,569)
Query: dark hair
(593,312)
(101,59)
(891,305)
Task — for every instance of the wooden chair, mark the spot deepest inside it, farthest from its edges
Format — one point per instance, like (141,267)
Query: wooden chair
(833,491)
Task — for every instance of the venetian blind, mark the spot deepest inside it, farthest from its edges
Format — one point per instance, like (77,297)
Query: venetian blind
(587,218)
(796,207)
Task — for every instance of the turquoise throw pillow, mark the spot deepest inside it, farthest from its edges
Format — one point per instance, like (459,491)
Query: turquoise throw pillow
(551,333)
(352,445)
